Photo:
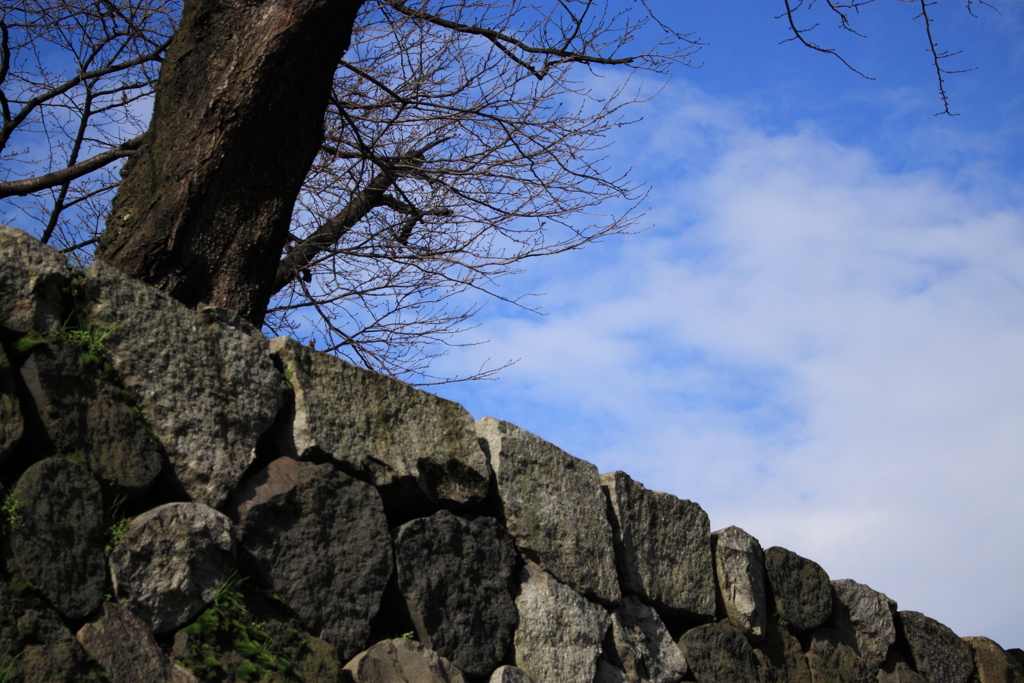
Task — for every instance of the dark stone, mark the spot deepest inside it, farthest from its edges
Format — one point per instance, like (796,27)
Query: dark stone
(171,560)
(800,589)
(781,656)
(554,509)
(57,538)
(662,547)
(938,654)
(866,619)
(833,660)
(993,664)
(323,545)
(420,450)
(1017,654)
(456,577)
(12,426)
(124,647)
(87,417)
(719,652)
(208,390)
(402,661)
(895,669)
(641,645)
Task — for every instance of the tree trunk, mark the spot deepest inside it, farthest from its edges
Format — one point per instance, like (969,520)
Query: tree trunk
(204,206)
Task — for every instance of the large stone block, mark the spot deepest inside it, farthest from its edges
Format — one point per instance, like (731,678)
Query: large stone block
(719,652)
(402,661)
(320,539)
(86,416)
(833,660)
(124,647)
(739,568)
(32,279)
(781,656)
(206,388)
(553,508)
(800,589)
(642,646)
(662,547)
(559,636)
(938,654)
(456,577)
(992,664)
(57,537)
(866,618)
(169,563)
(405,441)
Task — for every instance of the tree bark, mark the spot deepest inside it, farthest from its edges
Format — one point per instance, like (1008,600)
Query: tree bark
(205,204)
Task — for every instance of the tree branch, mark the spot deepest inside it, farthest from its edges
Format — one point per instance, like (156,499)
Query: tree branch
(30,185)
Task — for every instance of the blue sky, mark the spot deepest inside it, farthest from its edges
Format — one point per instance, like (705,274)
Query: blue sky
(821,337)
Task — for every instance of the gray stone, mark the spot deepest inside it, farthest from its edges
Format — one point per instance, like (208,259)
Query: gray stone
(781,656)
(643,647)
(559,636)
(32,278)
(408,442)
(57,540)
(86,417)
(509,674)
(456,578)
(895,669)
(718,653)
(608,673)
(800,588)
(1017,654)
(207,389)
(402,661)
(171,560)
(739,568)
(832,660)
(865,617)
(124,647)
(554,509)
(323,545)
(12,426)
(662,547)
(993,664)
(938,654)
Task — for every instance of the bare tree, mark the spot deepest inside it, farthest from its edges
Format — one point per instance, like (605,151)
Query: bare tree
(459,139)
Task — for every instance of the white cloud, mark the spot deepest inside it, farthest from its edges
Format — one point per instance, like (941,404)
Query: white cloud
(824,354)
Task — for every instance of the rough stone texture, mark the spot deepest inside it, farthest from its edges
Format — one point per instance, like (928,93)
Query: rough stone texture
(938,654)
(607,673)
(12,426)
(866,618)
(509,674)
(662,547)
(1017,654)
(323,546)
(800,588)
(169,563)
(87,417)
(642,646)
(124,647)
(992,664)
(781,656)
(402,661)
(553,508)
(896,670)
(719,652)
(43,649)
(32,277)
(401,439)
(208,390)
(57,542)
(832,660)
(456,578)
(559,635)
(739,569)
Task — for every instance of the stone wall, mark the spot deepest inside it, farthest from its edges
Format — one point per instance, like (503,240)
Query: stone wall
(185,500)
